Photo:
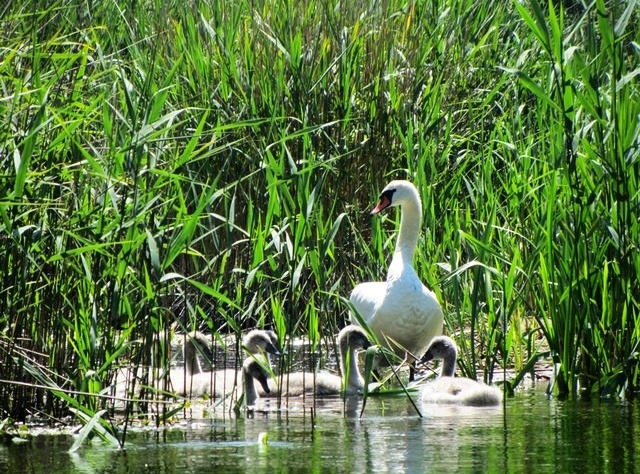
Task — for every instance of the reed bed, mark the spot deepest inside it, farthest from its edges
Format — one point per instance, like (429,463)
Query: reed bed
(210,165)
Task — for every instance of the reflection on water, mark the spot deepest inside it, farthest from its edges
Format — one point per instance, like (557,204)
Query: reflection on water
(530,434)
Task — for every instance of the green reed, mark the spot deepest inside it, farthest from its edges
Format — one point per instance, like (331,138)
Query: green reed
(212,166)
(589,225)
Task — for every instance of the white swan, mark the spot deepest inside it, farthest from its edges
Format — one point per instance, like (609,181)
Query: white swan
(194,382)
(403,313)
(455,390)
(350,339)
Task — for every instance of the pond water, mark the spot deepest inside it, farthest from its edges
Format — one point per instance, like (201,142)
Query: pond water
(531,433)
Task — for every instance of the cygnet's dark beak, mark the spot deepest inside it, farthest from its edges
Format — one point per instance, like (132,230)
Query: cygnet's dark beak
(428,356)
(263,381)
(271,349)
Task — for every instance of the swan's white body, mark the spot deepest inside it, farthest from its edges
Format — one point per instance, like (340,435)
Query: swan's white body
(350,339)
(214,384)
(455,390)
(404,314)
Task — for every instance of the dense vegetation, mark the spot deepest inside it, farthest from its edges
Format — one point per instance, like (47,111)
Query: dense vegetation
(212,163)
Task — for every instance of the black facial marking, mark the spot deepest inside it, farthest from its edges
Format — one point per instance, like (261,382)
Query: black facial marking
(388,194)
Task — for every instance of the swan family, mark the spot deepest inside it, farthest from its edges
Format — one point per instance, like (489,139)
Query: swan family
(455,390)
(403,313)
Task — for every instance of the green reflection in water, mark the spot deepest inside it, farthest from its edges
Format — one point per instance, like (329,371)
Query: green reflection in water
(532,434)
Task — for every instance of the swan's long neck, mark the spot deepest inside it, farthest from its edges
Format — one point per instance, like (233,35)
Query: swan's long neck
(449,364)
(250,393)
(191,362)
(410,223)
(349,366)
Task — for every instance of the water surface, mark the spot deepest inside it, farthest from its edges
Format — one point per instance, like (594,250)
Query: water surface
(531,433)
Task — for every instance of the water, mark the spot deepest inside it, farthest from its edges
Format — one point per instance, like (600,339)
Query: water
(531,434)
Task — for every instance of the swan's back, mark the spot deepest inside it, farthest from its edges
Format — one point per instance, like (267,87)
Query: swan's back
(214,384)
(296,384)
(460,391)
(365,297)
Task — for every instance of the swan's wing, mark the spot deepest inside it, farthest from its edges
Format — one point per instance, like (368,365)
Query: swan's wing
(366,297)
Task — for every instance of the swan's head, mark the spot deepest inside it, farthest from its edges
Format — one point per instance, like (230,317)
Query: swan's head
(441,347)
(254,369)
(397,193)
(259,341)
(353,337)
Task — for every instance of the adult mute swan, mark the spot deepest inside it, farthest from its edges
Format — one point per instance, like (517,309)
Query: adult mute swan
(350,339)
(455,390)
(403,313)
(194,382)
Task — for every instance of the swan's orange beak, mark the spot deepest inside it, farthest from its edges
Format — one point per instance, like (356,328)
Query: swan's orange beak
(383,204)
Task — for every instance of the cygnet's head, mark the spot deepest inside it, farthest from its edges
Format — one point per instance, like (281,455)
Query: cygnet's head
(254,369)
(259,341)
(353,337)
(395,194)
(441,347)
